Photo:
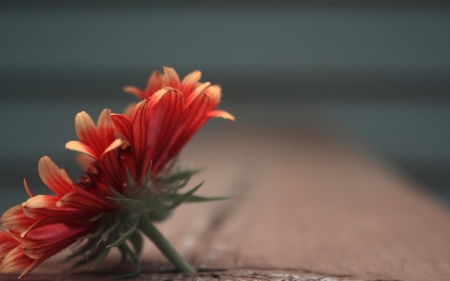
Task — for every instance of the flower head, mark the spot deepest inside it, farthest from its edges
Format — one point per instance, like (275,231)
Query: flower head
(128,179)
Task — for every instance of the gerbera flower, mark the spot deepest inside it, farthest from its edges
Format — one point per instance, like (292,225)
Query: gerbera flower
(46,224)
(128,180)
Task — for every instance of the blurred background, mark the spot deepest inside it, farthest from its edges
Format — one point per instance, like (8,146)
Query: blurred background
(375,73)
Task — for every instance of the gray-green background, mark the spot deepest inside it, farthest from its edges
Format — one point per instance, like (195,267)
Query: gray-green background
(379,69)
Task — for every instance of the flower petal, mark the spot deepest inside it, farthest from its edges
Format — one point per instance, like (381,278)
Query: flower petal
(80,147)
(222,114)
(86,130)
(199,90)
(155,83)
(171,78)
(122,123)
(134,91)
(190,82)
(16,260)
(87,163)
(105,130)
(55,178)
(115,144)
(215,93)
(41,201)
(82,199)
(15,219)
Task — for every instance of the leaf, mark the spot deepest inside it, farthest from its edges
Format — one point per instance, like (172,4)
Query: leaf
(125,236)
(198,199)
(182,198)
(137,242)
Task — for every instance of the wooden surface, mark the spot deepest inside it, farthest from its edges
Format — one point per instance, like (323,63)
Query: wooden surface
(309,208)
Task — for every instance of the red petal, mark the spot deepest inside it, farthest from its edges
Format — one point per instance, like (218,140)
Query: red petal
(123,126)
(134,91)
(15,219)
(222,114)
(171,78)
(155,83)
(55,178)
(162,125)
(16,260)
(83,148)
(190,82)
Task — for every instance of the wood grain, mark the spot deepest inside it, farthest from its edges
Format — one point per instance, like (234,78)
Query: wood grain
(309,208)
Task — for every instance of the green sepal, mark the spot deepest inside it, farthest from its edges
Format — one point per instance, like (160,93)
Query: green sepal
(123,256)
(136,262)
(155,205)
(137,242)
(110,230)
(198,199)
(160,216)
(118,195)
(130,180)
(184,175)
(101,256)
(125,236)
(177,202)
(82,250)
(93,235)
(91,255)
(97,217)
(135,205)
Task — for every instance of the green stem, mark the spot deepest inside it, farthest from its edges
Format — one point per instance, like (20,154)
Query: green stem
(147,227)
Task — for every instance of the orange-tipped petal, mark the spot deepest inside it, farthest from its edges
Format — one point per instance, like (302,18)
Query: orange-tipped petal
(190,82)
(134,91)
(16,260)
(105,130)
(40,201)
(80,147)
(200,89)
(7,243)
(85,128)
(55,178)
(104,120)
(15,219)
(222,114)
(27,188)
(171,78)
(155,83)
(214,92)
(115,144)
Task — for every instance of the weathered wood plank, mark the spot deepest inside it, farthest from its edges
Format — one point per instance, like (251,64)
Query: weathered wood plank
(309,207)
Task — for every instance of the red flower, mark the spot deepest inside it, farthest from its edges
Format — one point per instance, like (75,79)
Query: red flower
(46,224)
(122,153)
(12,256)
(155,129)
(167,118)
